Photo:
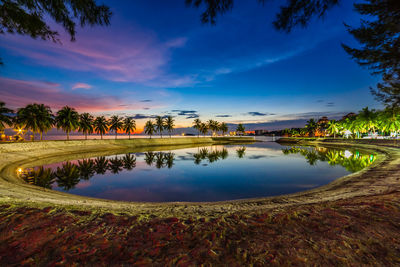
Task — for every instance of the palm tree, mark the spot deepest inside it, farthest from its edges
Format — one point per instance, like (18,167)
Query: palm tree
(100,125)
(213,126)
(204,128)
(240,128)
(5,118)
(169,159)
(149,128)
(149,157)
(129,126)
(333,127)
(169,125)
(311,126)
(224,128)
(86,124)
(241,151)
(160,125)
(116,124)
(197,126)
(67,119)
(368,119)
(37,118)
(390,121)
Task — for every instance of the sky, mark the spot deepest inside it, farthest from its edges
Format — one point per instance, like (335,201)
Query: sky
(157,58)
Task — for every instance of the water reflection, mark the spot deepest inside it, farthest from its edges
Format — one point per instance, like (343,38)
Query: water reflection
(353,161)
(241,172)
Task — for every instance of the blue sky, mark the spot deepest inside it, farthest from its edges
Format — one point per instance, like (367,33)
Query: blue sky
(157,58)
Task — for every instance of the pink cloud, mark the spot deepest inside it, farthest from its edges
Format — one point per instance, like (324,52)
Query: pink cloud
(18,93)
(109,53)
(81,86)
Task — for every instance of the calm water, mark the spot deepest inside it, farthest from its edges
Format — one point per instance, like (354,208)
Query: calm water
(211,173)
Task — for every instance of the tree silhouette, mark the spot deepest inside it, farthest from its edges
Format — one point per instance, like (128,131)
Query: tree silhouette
(149,128)
(67,119)
(129,126)
(100,125)
(116,124)
(35,117)
(169,125)
(86,124)
(5,118)
(28,17)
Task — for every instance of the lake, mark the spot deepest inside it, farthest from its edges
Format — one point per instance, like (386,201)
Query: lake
(198,174)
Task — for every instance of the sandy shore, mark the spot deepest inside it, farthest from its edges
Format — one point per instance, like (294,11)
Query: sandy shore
(381,177)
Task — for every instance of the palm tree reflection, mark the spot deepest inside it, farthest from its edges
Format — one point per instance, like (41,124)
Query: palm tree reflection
(352,161)
(116,165)
(101,165)
(67,176)
(86,168)
(241,152)
(129,161)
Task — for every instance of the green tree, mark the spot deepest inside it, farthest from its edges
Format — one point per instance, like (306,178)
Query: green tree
(367,120)
(116,124)
(240,129)
(311,126)
(224,128)
(169,125)
(197,126)
(390,121)
(379,37)
(129,126)
(5,118)
(86,124)
(37,118)
(333,127)
(160,125)
(149,128)
(67,119)
(204,128)
(213,126)
(100,125)
(27,17)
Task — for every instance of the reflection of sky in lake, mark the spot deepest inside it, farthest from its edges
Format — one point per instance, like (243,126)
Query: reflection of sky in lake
(264,170)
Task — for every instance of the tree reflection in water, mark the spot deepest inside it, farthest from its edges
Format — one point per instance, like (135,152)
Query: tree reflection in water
(67,176)
(352,161)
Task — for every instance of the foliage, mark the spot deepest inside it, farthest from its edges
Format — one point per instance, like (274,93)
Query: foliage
(5,118)
(101,125)
(86,124)
(115,124)
(67,119)
(37,118)
(149,128)
(129,126)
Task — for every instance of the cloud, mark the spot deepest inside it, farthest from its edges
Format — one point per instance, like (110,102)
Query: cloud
(81,86)
(110,53)
(193,116)
(330,104)
(190,114)
(146,100)
(223,116)
(255,113)
(18,93)
(142,116)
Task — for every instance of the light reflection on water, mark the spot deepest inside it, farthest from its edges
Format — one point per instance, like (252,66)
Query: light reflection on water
(212,173)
